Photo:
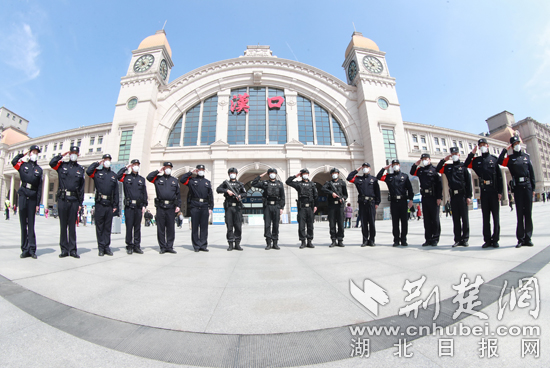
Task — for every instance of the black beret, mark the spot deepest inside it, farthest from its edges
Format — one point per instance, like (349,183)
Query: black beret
(135,161)
(453,149)
(74,149)
(366,164)
(482,140)
(200,167)
(168,163)
(271,170)
(425,155)
(393,162)
(107,156)
(232,170)
(514,139)
(334,170)
(304,171)
(34,147)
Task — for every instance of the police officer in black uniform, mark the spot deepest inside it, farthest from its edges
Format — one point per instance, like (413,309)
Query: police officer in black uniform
(106,201)
(460,189)
(401,199)
(307,201)
(432,193)
(70,195)
(234,192)
(523,176)
(369,199)
(30,194)
(135,201)
(490,182)
(167,203)
(337,193)
(274,202)
(201,202)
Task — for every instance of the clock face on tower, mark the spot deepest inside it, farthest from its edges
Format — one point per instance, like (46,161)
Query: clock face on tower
(163,69)
(372,64)
(144,63)
(352,70)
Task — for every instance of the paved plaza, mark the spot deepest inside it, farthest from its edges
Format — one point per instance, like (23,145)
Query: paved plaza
(258,308)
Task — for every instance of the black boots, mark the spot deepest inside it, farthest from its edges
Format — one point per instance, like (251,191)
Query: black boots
(303,245)
(309,245)
(238,245)
(341,243)
(230,248)
(275,246)
(333,244)
(268,242)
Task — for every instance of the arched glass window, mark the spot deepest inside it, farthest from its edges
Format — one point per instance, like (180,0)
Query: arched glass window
(236,126)
(209,116)
(339,136)
(305,121)
(257,116)
(322,126)
(323,134)
(188,136)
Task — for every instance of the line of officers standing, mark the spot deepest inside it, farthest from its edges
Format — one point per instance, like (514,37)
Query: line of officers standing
(200,200)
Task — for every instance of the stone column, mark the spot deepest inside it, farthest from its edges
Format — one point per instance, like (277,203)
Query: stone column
(46,189)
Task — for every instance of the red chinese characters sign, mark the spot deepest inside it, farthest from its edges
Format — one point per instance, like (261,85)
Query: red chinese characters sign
(240,103)
(275,102)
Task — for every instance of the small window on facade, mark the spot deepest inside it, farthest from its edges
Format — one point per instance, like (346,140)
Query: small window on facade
(415,138)
(92,141)
(436,140)
(100,139)
(443,142)
(422,139)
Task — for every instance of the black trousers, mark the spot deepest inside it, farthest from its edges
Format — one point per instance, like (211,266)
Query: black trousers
(490,205)
(166,227)
(272,216)
(103,225)
(368,215)
(27,213)
(461,223)
(68,213)
(132,219)
(199,227)
(336,218)
(305,220)
(399,214)
(234,222)
(523,196)
(432,227)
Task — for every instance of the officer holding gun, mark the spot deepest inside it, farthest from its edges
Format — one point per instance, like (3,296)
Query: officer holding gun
(337,193)
(234,192)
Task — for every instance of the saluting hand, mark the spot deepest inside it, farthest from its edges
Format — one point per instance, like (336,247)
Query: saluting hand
(447,158)
(299,174)
(387,167)
(417,162)
(261,176)
(509,147)
(66,153)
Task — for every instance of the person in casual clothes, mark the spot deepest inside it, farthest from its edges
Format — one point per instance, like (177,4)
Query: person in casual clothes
(348,211)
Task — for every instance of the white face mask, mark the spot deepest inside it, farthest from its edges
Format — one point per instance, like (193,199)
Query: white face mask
(517,148)
(425,162)
(396,168)
(135,169)
(73,156)
(167,171)
(305,177)
(366,170)
(272,176)
(455,157)
(107,164)
(33,157)
(335,176)
(484,149)
(232,176)
(200,173)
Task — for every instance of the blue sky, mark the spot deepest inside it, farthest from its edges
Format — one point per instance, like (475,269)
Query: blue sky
(456,62)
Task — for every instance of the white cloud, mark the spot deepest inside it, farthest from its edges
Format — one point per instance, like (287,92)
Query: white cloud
(20,50)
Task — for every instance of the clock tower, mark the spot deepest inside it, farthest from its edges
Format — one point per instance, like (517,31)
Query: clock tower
(377,104)
(136,107)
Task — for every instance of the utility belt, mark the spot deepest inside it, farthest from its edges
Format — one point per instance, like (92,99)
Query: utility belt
(485,183)
(366,198)
(64,194)
(429,191)
(229,203)
(29,186)
(201,200)
(163,203)
(455,192)
(335,202)
(397,197)
(102,198)
(305,204)
(522,180)
(271,201)
(132,202)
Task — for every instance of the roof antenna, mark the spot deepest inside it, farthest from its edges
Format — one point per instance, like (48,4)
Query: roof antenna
(351,23)
(164,24)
